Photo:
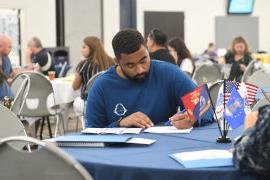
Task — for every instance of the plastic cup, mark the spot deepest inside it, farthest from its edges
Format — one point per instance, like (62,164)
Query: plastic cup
(51,75)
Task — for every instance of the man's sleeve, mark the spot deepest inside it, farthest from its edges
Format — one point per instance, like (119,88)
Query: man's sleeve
(181,84)
(96,110)
(252,150)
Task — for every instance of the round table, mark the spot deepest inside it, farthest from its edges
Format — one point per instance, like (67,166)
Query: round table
(132,162)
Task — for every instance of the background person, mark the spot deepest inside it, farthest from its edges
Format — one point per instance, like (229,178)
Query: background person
(95,59)
(5,63)
(37,55)
(252,149)
(239,56)
(182,55)
(157,46)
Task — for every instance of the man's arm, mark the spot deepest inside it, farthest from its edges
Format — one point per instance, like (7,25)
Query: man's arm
(252,149)
(95,109)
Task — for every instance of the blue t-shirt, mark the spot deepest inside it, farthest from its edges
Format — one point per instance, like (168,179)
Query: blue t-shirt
(5,90)
(6,66)
(158,96)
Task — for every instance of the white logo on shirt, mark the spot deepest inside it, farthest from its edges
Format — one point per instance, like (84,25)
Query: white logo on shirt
(120,109)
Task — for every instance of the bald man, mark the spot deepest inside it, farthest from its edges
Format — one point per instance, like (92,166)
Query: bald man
(5,64)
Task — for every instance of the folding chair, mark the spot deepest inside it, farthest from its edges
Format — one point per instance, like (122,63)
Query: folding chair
(11,125)
(47,162)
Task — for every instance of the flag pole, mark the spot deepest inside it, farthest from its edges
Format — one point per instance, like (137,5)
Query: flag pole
(213,109)
(224,138)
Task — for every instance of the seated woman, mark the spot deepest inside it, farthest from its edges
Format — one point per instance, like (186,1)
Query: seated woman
(252,149)
(239,56)
(95,60)
(182,55)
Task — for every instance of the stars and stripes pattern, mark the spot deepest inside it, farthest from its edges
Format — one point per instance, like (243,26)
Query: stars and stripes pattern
(228,89)
(251,92)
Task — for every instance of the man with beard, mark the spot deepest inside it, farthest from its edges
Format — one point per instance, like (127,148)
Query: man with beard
(137,92)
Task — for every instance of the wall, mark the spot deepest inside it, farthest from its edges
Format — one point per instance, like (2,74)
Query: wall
(82,18)
(37,19)
(199,19)
(111,23)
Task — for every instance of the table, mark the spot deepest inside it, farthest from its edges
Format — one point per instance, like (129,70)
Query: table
(132,162)
(63,91)
(63,95)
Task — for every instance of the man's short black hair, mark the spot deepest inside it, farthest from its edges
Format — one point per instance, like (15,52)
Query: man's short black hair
(158,36)
(127,41)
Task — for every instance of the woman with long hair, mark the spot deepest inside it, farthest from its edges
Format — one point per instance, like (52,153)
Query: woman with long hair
(239,56)
(95,60)
(182,55)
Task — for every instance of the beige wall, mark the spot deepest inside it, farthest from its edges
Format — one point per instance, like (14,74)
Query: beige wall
(37,19)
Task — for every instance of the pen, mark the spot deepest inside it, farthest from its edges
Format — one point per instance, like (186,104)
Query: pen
(169,123)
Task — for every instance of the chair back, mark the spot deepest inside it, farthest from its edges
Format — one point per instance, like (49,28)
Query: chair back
(91,81)
(18,83)
(11,125)
(260,78)
(36,98)
(207,74)
(64,69)
(214,89)
(260,103)
(249,70)
(48,162)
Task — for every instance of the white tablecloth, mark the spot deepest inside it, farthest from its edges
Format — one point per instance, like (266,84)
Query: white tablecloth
(63,91)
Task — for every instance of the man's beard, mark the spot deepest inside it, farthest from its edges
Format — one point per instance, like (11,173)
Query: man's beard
(136,78)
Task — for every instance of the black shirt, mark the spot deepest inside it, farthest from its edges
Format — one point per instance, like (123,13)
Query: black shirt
(86,69)
(162,55)
(42,59)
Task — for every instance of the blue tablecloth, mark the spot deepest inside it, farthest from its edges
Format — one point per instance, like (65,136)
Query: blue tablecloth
(133,162)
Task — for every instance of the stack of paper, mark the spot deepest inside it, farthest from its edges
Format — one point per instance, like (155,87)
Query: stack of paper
(205,158)
(97,140)
(166,129)
(112,130)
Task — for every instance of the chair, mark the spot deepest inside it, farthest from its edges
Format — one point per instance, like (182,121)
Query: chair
(64,69)
(207,73)
(36,100)
(260,78)
(48,162)
(214,89)
(11,125)
(249,70)
(260,103)
(90,82)
(18,83)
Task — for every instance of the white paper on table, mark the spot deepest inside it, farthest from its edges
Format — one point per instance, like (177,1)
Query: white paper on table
(166,129)
(141,141)
(112,130)
(204,158)
(205,154)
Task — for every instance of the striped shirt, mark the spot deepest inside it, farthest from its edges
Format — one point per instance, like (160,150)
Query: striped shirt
(86,70)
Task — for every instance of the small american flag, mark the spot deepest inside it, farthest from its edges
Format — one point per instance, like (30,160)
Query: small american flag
(251,92)
(228,89)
